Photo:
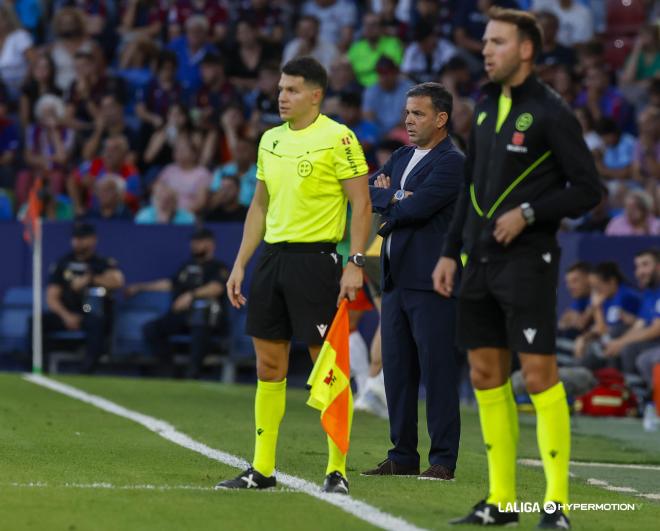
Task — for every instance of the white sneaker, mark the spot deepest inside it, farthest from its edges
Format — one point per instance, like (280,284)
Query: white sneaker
(651,421)
(369,402)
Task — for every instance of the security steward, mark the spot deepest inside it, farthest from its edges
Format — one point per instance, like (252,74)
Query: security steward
(527,168)
(197,289)
(79,295)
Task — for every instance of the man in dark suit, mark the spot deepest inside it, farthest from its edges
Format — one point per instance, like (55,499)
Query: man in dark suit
(415,194)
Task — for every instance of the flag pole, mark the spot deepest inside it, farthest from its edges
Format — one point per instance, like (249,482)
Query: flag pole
(37,303)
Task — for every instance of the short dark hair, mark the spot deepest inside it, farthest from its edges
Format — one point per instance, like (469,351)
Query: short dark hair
(651,251)
(581,266)
(441,99)
(609,271)
(309,69)
(167,57)
(607,126)
(350,99)
(528,26)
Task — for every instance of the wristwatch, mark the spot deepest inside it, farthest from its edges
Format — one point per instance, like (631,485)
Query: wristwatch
(528,213)
(357,259)
(400,195)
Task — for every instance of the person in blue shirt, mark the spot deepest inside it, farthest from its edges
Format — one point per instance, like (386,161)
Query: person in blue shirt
(615,308)
(645,333)
(578,315)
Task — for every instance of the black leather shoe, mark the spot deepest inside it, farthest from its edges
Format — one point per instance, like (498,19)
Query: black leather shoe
(437,472)
(391,468)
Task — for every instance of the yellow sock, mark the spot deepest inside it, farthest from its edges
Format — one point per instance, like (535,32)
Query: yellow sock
(553,432)
(336,460)
(499,427)
(269,405)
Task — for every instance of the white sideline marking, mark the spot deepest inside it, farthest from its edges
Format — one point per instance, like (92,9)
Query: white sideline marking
(110,486)
(604,484)
(359,509)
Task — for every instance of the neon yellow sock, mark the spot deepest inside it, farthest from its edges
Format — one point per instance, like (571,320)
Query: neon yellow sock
(336,460)
(553,432)
(269,405)
(499,427)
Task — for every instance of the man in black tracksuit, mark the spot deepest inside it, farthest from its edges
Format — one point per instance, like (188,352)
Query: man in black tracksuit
(527,168)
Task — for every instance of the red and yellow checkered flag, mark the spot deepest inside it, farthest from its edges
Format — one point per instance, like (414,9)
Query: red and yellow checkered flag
(329,383)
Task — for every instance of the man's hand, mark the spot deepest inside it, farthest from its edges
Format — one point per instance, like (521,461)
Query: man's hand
(597,299)
(443,276)
(234,282)
(613,348)
(80,282)
(382,181)
(183,302)
(351,282)
(72,321)
(509,225)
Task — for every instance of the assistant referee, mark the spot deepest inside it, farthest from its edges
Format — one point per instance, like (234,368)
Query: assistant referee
(527,168)
(308,169)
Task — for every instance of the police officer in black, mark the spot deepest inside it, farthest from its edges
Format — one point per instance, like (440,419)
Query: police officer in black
(196,308)
(80,294)
(527,168)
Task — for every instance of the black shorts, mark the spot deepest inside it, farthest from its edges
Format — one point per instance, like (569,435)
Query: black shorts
(294,292)
(510,303)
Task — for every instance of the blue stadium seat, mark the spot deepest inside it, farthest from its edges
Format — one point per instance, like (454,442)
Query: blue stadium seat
(14,316)
(131,316)
(241,347)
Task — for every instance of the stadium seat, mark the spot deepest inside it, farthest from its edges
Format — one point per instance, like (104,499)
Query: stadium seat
(131,315)
(14,315)
(617,51)
(625,17)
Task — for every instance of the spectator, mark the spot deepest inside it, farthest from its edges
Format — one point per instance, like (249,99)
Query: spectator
(308,42)
(243,167)
(111,195)
(9,142)
(564,81)
(263,100)
(384,151)
(79,295)
(337,17)
(248,57)
(70,38)
(39,81)
(224,205)
(383,101)
(341,79)
(599,217)
(374,44)
(49,146)
(187,177)
(15,49)
(591,138)
(350,114)
(578,315)
(637,219)
(163,209)
(461,122)
(646,154)
(190,49)
(552,53)
(114,159)
(213,12)
(576,22)
(392,24)
(615,162)
(215,94)
(197,288)
(160,94)
(268,19)
(644,335)
(643,64)
(614,309)
(604,100)
(456,78)
(233,125)
(109,122)
(142,19)
(136,64)
(424,58)
(440,13)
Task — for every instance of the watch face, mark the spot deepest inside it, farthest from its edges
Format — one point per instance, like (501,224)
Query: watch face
(399,195)
(359,260)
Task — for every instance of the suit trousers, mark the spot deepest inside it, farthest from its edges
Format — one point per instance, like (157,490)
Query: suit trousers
(418,344)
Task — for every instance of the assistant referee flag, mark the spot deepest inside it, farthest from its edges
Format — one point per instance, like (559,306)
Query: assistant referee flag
(329,383)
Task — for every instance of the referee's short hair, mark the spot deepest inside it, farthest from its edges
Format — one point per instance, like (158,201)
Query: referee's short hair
(528,26)
(309,69)
(441,99)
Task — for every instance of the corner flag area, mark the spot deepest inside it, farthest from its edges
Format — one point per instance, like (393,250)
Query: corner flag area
(83,453)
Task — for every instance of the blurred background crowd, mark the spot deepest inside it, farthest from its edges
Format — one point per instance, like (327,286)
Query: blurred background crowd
(152,110)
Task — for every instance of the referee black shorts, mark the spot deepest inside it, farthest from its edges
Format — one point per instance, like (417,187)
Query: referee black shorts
(294,292)
(510,303)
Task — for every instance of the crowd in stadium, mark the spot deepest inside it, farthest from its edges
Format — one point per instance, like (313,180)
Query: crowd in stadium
(153,110)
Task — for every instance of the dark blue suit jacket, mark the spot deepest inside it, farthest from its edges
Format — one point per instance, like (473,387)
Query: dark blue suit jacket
(419,223)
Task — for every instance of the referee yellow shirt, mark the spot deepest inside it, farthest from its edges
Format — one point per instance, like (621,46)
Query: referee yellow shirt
(303,170)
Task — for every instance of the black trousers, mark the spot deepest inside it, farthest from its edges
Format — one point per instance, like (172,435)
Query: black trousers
(157,333)
(418,330)
(94,328)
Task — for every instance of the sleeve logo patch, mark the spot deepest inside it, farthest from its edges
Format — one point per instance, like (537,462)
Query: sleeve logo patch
(524,121)
(305,168)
